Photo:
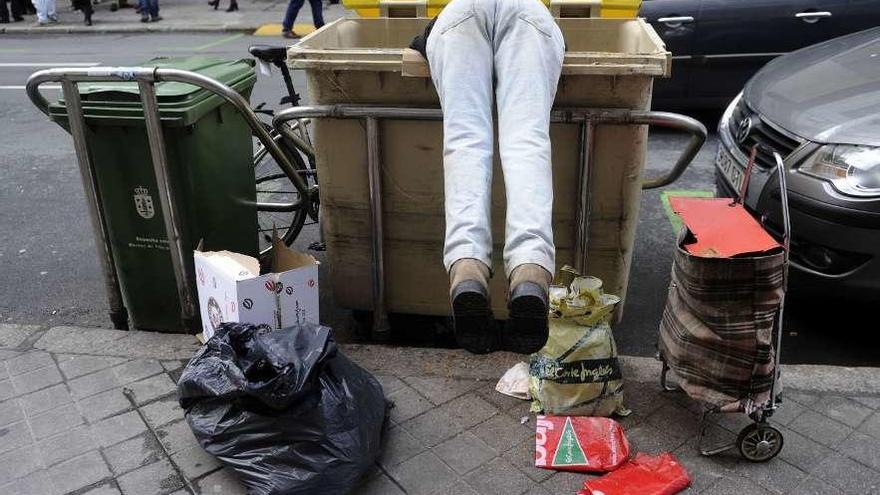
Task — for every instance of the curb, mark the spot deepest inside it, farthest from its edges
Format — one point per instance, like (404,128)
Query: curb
(130,29)
(400,361)
(457,363)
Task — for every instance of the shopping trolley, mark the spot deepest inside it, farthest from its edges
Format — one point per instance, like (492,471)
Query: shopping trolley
(721,357)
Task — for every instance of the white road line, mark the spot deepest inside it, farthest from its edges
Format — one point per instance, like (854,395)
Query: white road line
(22,87)
(48,64)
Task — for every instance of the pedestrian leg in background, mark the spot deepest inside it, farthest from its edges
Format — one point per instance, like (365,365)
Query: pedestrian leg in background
(45,11)
(149,10)
(290,17)
(17,9)
(459,51)
(317,13)
(529,49)
(85,6)
(4,12)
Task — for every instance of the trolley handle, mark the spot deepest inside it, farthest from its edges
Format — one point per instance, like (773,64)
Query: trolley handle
(677,122)
(786,216)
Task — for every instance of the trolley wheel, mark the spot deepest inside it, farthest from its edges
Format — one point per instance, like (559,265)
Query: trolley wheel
(759,442)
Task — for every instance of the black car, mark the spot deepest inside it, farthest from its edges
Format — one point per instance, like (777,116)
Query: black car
(717,45)
(819,108)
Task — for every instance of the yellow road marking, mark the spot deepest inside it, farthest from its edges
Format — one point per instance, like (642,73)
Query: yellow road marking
(275,29)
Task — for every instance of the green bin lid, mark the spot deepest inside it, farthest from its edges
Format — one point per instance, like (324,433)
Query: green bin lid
(179,103)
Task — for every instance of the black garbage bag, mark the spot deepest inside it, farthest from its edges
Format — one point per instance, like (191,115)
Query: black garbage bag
(284,409)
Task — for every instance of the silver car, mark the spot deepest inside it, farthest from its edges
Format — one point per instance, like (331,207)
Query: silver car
(820,109)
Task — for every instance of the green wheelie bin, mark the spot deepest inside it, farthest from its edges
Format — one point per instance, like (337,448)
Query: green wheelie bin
(209,149)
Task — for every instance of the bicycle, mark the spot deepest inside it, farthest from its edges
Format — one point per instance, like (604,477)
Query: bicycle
(281,205)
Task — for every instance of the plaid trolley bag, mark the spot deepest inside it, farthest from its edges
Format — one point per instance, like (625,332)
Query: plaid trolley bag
(717,328)
(721,328)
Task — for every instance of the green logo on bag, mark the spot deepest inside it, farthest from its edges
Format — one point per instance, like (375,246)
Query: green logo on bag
(569,451)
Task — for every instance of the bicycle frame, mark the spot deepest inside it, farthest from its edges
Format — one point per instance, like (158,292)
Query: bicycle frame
(587,119)
(146,79)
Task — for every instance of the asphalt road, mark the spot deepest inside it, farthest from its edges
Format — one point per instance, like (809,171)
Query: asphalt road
(50,270)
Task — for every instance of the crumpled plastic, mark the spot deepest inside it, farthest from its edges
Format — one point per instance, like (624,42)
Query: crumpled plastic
(284,409)
(515,382)
(577,372)
(644,475)
(580,444)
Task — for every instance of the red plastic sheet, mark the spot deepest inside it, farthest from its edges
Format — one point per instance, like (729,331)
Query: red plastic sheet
(644,475)
(579,443)
(722,228)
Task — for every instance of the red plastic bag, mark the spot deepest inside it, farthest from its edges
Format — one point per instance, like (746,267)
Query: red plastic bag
(644,475)
(578,443)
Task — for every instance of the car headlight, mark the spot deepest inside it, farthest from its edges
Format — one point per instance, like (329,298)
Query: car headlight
(853,170)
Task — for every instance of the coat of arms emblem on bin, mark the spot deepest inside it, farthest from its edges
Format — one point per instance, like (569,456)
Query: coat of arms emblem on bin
(143,202)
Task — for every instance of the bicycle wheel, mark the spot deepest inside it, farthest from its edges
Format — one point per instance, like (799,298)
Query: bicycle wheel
(279,205)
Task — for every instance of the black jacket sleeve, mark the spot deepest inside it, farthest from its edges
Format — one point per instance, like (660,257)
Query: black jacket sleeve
(421,41)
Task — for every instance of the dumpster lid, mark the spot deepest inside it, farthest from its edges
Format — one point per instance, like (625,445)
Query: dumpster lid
(179,103)
(228,72)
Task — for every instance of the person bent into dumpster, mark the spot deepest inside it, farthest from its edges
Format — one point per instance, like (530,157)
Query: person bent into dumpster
(506,52)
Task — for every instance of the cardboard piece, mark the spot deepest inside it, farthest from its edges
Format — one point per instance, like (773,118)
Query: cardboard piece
(722,228)
(231,289)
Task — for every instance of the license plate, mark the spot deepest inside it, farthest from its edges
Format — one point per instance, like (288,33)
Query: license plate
(732,171)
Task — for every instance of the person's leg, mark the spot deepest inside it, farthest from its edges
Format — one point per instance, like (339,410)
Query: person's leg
(290,16)
(154,9)
(317,12)
(86,7)
(4,12)
(40,6)
(529,49)
(18,10)
(50,10)
(459,51)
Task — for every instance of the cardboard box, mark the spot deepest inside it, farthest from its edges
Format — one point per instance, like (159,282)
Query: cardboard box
(231,289)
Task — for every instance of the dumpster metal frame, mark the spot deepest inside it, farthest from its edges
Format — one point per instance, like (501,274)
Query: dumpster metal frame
(587,118)
(146,77)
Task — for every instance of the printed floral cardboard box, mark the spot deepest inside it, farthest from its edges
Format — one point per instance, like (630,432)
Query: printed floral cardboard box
(231,289)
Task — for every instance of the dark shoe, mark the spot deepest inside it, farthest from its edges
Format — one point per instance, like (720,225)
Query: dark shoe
(17,18)
(474,326)
(527,327)
(214,4)
(145,18)
(156,19)
(88,21)
(232,7)
(290,35)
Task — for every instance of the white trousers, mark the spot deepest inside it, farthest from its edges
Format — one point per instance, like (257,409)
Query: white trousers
(508,52)
(45,9)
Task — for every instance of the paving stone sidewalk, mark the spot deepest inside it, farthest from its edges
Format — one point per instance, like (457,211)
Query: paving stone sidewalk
(177,16)
(67,425)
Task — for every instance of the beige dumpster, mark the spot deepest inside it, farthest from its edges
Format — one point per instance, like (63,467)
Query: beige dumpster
(610,64)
